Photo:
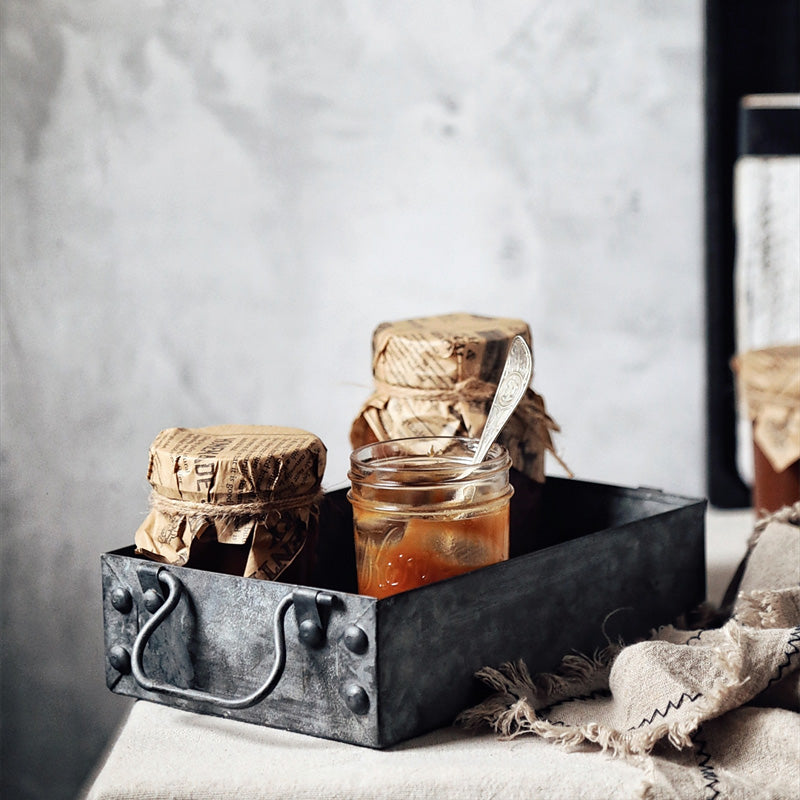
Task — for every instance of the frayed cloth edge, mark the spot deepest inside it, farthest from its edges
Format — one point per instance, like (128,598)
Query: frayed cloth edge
(512,712)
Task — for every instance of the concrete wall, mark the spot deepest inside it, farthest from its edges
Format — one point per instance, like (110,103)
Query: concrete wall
(208,207)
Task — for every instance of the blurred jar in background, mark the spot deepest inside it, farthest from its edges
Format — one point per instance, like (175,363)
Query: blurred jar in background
(768,382)
(767,297)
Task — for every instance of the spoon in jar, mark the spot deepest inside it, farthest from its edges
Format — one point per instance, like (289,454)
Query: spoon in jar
(514,380)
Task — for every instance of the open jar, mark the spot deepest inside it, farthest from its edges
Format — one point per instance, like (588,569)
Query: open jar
(422,512)
(437,376)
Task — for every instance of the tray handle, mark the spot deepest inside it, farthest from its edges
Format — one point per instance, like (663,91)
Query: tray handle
(170,602)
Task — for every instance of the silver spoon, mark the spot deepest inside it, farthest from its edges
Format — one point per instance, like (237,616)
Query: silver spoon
(515,379)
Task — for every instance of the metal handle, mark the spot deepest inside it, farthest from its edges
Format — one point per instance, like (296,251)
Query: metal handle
(171,601)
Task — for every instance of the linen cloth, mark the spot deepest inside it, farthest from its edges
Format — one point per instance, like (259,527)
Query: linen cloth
(691,699)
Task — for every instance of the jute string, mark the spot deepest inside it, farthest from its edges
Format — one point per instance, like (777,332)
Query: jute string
(192,509)
(758,398)
(470,389)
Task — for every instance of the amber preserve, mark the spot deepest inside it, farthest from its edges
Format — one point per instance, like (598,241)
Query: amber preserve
(422,512)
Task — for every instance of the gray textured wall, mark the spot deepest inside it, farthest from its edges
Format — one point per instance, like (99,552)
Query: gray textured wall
(207,208)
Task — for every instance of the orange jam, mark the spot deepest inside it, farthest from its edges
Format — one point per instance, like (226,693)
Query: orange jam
(421,516)
(427,550)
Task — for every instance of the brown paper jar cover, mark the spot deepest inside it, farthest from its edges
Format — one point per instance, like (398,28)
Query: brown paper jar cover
(768,384)
(436,376)
(242,499)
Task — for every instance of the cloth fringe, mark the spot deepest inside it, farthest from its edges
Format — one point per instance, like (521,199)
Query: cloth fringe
(789,514)
(513,711)
(752,651)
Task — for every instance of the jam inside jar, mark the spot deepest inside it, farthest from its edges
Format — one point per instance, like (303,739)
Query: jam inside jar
(423,513)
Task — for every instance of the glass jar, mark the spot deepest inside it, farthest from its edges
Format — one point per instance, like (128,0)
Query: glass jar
(423,513)
(437,376)
(768,384)
(238,499)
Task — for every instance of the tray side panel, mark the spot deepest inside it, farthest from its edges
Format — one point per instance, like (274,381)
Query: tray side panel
(573,508)
(219,640)
(618,583)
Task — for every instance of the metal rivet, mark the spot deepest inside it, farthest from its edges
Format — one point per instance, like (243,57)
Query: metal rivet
(310,633)
(121,600)
(120,659)
(355,639)
(153,600)
(356,698)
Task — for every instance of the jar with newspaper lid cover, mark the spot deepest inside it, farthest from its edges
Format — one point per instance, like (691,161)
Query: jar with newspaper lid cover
(436,376)
(242,499)
(768,384)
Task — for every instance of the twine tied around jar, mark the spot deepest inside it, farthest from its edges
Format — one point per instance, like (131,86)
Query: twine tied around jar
(231,512)
(469,389)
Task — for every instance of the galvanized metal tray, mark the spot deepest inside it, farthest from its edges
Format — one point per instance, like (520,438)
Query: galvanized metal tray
(326,661)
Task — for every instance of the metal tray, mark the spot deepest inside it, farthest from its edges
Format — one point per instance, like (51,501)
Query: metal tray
(329,662)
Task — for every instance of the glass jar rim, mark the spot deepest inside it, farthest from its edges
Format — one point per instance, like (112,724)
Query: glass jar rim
(381,461)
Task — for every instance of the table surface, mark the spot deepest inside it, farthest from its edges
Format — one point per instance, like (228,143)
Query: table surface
(164,752)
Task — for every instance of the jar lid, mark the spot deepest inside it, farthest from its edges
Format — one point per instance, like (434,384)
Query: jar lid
(768,383)
(235,464)
(436,376)
(437,353)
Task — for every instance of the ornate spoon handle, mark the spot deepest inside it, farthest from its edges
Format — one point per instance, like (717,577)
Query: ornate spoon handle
(513,383)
